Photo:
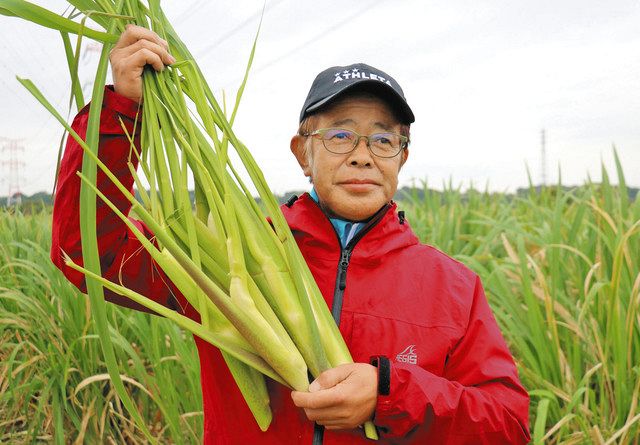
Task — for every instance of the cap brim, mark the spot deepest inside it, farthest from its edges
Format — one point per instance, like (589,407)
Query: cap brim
(389,94)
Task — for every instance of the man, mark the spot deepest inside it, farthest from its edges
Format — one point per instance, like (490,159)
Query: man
(430,363)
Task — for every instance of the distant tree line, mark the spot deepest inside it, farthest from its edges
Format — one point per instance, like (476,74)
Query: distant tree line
(43,199)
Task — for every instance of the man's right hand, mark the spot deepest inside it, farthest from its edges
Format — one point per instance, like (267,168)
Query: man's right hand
(136,48)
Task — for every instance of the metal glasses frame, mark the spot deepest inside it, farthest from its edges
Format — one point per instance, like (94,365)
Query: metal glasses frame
(404,141)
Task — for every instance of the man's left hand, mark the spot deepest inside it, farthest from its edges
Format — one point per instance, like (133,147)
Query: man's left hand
(343,397)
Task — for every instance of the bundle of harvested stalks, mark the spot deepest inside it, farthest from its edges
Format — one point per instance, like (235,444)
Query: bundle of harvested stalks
(247,279)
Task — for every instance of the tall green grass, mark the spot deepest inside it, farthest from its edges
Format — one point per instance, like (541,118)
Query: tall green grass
(561,270)
(54,385)
(560,267)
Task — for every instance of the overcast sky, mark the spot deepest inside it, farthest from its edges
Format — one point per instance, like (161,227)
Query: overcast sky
(483,78)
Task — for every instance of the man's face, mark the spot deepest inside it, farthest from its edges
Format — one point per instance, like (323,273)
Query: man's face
(356,185)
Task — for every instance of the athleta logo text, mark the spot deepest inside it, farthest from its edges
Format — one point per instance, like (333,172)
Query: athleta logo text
(357,74)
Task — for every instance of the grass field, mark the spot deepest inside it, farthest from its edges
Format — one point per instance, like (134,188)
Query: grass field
(54,385)
(561,268)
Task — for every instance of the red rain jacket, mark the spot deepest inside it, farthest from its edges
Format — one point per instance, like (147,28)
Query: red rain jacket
(453,380)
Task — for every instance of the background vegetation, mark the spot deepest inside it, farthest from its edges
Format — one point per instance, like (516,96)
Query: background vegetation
(560,266)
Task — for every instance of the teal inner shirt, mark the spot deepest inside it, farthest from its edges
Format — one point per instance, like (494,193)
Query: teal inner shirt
(345,229)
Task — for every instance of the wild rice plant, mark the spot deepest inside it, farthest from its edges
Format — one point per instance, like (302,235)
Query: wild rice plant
(54,384)
(561,267)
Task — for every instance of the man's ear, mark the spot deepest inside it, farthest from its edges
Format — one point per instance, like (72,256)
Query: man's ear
(298,148)
(403,156)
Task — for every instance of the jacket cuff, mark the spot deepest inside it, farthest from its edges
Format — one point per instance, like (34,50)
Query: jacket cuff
(120,104)
(384,405)
(405,407)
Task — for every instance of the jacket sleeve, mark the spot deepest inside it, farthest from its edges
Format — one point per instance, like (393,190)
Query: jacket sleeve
(478,400)
(122,257)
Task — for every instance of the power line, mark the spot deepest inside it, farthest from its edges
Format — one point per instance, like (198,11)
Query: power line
(207,50)
(47,60)
(24,52)
(190,10)
(26,64)
(316,37)
(14,92)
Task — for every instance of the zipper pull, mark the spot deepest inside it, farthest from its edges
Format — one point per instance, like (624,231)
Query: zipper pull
(344,262)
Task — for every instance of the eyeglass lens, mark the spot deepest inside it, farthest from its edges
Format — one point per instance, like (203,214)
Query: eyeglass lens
(343,141)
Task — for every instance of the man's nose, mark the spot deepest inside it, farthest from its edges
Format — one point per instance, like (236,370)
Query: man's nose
(361,155)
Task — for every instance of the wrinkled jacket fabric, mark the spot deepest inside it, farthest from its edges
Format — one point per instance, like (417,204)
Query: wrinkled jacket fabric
(453,380)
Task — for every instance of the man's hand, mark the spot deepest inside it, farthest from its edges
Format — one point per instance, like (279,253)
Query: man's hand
(341,398)
(136,48)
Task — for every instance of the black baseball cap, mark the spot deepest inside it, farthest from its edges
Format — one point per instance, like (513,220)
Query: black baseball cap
(333,82)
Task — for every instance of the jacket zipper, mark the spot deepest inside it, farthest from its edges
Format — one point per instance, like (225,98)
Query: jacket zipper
(345,257)
(341,284)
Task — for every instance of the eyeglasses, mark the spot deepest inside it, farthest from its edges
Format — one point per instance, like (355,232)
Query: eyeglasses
(341,141)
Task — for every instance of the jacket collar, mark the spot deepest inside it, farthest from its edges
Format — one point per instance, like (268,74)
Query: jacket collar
(315,233)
